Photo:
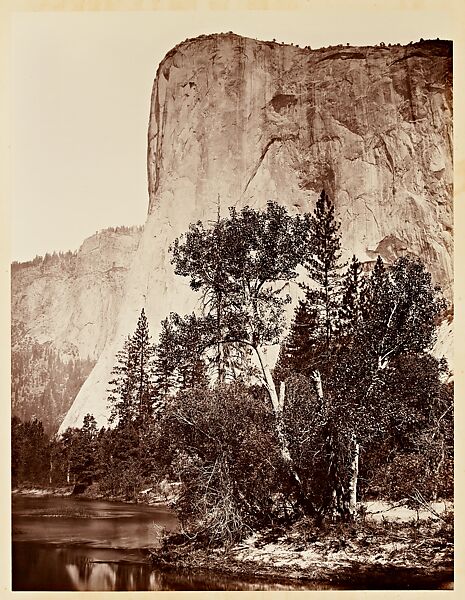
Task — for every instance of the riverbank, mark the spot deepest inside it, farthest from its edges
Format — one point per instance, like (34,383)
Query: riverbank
(150,497)
(389,547)
(372,554)
(57,492)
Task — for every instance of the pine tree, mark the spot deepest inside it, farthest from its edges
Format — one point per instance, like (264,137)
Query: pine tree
(166,379)
(83,454)
(350,311)
(132,392)
(308,347)
(179,363)
(324,266)
(297,353)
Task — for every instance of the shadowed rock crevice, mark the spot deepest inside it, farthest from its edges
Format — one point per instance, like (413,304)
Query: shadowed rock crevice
(282,101)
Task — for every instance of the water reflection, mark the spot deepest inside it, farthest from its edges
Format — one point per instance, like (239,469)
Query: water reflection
(42,567)
(76,544)
(46,567)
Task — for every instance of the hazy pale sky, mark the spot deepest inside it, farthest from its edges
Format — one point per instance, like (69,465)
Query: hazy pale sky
(81,86)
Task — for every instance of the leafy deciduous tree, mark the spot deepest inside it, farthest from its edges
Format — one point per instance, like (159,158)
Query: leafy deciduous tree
(258,254)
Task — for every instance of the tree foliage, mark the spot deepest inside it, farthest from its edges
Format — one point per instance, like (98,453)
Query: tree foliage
(350,304)
(317,316)
(79,446)
(132,395)
(240,265)
(221,445)
(386,321)
(323,264)
(363,406)
(30,452)
(180,361)
(400,310)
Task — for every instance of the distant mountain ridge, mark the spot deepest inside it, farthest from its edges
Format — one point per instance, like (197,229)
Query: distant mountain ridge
(64,306)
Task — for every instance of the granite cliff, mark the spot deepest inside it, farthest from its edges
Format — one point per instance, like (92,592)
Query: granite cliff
(73,299)
(249,121)
(64,309)
(253,121)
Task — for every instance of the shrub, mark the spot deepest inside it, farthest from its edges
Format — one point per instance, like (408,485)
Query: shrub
(222,448)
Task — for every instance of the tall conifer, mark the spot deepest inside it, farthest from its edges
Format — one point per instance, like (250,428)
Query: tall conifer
(350,311)
(132,394)
(317,316)
(324,266)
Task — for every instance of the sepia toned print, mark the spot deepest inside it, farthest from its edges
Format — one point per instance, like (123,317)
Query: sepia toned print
(265,366)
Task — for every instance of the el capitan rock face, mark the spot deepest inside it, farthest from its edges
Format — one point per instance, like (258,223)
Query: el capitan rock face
(253,121)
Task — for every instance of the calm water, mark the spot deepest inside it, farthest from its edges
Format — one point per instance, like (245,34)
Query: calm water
(78,544)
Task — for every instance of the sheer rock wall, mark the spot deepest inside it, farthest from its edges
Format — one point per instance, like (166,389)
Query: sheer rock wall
(239,121)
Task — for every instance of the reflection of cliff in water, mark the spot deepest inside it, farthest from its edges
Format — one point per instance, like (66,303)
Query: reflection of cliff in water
(86,574)
(46,567)
(42,567)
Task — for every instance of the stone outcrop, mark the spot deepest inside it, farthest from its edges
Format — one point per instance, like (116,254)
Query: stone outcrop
(245,121)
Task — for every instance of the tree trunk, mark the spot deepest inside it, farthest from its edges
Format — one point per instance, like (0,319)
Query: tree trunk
(278,405)
(268,380)
(220,358)
(282,394)
(318,386)
(336,504)
(220,348)
(353,476)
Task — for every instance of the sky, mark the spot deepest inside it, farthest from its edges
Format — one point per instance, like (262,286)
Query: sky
(80,96)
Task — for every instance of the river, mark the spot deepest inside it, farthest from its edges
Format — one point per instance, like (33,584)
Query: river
(72,543)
